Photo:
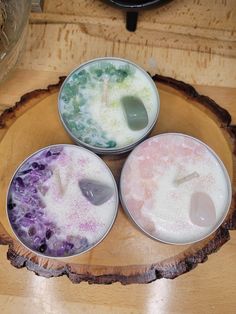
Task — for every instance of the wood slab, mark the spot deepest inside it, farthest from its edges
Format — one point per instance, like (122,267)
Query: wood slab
(126,255)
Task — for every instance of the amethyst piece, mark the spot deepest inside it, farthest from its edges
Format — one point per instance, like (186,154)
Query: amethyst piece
(12,220)
(19,181)
(59,247)
(25,205)
(83,244)
(37,240)
(41,167)
(48,154)
(43,248)
(26,222)
(31,231)
(11,205)
(48,234)
(35,164)
(30,215)
(69,246)
(56,150)
(25,171)
(22,233)
(95,192)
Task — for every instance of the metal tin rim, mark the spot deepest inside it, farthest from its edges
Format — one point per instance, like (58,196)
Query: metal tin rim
(109,150)
(137,6)
(228,204)
(116,202)
(115,152)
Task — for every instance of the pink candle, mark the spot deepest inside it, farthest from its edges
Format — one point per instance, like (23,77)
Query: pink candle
(175,188)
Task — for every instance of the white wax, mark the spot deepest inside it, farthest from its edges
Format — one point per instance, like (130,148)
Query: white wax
(111,115)
(71,212)
(92,109)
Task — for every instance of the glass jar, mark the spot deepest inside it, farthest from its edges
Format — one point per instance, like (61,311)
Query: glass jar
(14,16)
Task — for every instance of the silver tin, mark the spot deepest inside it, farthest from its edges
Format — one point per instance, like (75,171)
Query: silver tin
(227,207)
(109,151)
(116,205)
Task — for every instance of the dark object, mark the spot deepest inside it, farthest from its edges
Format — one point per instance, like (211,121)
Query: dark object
(131,20)
(43,248)
(35,165)
(48,234)
(25,171)
(10,205)
(132,7)
(32,231)
(20,182)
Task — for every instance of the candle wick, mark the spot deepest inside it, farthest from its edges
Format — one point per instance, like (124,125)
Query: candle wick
(189,177)
(59,182)
(105,91)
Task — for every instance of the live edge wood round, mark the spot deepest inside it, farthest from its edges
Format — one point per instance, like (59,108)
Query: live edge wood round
(126,255)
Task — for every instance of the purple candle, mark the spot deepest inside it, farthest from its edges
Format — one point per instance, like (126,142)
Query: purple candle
(62,201)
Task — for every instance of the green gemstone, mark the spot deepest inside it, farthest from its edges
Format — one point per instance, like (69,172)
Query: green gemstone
(98,72)
(136,113)
(111,144)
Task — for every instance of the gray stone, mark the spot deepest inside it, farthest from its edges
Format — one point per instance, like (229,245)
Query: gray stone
(96,192)
(135,111)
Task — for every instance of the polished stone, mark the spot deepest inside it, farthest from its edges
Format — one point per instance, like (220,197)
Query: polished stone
(202,210)
(136,113)
(96,192)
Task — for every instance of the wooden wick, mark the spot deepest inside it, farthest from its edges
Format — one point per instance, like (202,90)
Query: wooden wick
(59,182)
(105,91)
(189,177)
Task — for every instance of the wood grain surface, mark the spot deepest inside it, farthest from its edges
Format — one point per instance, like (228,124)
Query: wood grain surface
(210,288)
(170,40)
(125,255)
(178,24)
(53,50)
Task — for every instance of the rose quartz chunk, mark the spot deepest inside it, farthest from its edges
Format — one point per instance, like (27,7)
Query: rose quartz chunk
(202,210)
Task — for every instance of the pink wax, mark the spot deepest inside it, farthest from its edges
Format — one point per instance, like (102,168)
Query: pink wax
(165,184)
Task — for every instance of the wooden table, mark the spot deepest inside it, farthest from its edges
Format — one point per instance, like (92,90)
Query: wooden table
(204,58)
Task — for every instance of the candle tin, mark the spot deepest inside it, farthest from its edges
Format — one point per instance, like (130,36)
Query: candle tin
(92,108)
(163,209)
(54,205)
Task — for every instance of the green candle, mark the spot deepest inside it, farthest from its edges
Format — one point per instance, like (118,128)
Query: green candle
(108,104)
